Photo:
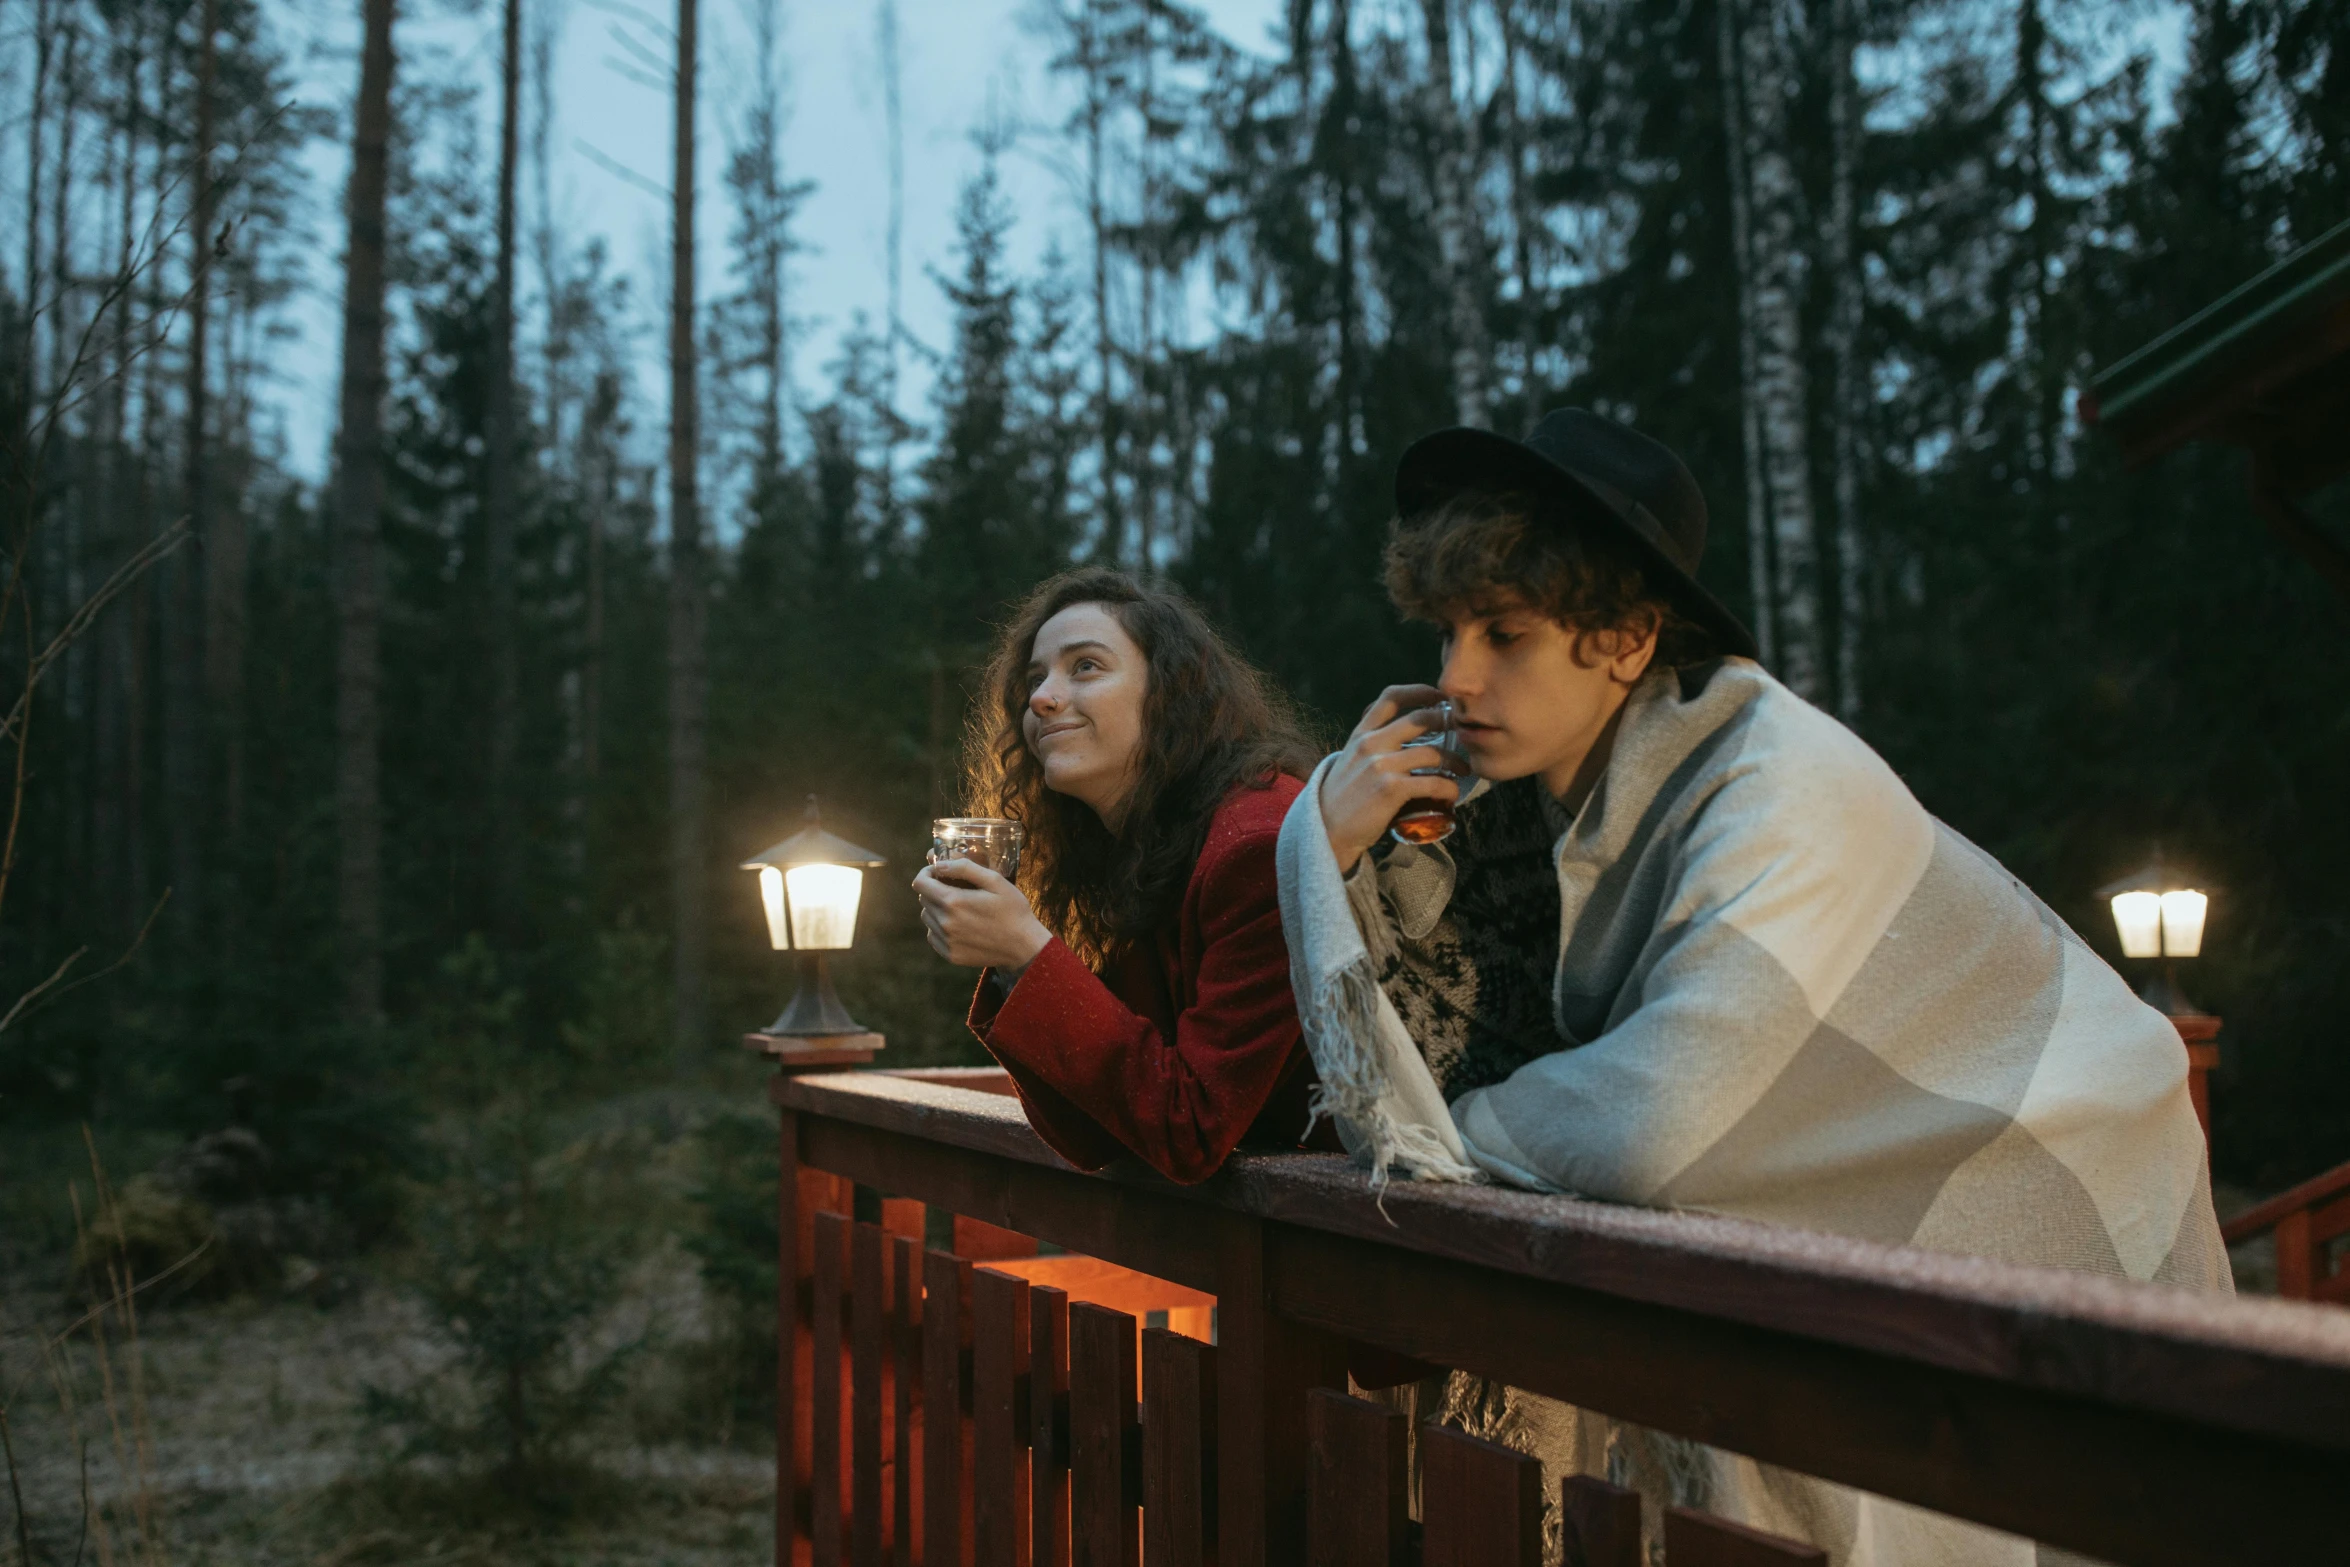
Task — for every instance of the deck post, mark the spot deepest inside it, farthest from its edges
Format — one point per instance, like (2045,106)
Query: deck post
(1265,1365)
(787,1338)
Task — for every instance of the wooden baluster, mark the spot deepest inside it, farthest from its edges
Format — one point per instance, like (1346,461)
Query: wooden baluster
(866,1305)
(999,1418)
(905,1282)
(1048,1425)
(943,1494)
(1480,1502)
(1355,1483)
(1700,1540)
(1264,1367)
(2296,1257)
(1178,1416)
(1601,1523)
(824,1478)
(1101,1418)
(2329,1274)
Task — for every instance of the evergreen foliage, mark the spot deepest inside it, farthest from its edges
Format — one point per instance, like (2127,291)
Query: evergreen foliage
(2067,661)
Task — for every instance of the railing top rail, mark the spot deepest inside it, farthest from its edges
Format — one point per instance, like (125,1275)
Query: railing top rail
(2264,1216)
(2263,1367)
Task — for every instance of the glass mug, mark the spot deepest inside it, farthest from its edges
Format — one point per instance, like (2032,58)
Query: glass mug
(1428,818)
(992,841)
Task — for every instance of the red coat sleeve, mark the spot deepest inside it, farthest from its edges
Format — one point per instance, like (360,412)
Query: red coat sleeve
(1088,1065)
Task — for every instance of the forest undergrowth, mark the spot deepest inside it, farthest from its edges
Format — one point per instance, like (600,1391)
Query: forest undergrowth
(366,1415)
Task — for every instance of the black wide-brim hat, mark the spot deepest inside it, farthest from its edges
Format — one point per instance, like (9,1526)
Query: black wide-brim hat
(1594,472)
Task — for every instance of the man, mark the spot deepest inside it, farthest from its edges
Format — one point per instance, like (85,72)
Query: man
(1694,945)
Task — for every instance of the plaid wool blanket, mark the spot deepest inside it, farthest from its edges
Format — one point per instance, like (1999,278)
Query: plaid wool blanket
(1751,977)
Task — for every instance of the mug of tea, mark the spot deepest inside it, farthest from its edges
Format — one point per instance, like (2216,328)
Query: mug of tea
(992,841)
(1428,818)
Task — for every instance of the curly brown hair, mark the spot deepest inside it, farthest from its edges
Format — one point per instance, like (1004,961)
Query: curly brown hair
(1477,550)
(1211,723)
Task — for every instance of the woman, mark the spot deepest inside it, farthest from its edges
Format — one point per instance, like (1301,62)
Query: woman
(1141,1001)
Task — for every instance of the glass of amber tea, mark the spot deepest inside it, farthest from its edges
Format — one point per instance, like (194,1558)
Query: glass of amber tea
(992,841)
(1428,818)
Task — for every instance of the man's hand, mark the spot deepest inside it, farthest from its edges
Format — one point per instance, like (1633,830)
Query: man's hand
(1373,778)
(976,919)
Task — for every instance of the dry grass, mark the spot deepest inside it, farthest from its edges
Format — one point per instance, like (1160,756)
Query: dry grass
(245,1447)
(186,1435)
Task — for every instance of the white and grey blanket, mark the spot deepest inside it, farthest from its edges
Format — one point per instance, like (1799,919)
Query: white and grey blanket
(1753,977)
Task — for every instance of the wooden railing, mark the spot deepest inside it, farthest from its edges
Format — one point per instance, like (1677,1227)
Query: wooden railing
(2308,1222)
(2140,1425)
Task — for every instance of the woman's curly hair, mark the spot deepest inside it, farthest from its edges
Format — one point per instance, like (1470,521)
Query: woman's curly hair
(1211,723)
(1476,550)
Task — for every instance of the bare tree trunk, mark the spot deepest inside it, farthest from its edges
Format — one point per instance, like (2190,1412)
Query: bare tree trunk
(113,717)
(64,539)
(44,39)
(500,501)
(359,507)
(136,623)
(1341,109)
(545,245)
(181,595)
(1521,210)
(1777,383)
(1092,55)
(1145,377)
(186,677)
(220,530)
(2043,382)
(894,113)
(770,246)
(1456,232)
(688,829)
(1758,526)
(591,674)
(61,274)
(1844,339)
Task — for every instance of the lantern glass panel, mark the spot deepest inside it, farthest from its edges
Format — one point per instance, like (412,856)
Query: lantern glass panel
(2182,923)
(2138,917)
(823,905)
(771,894)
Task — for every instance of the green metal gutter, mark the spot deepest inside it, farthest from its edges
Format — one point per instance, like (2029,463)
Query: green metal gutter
(2310,280)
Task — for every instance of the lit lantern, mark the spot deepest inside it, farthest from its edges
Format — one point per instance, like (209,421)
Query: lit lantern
(2158,914)
(810,885)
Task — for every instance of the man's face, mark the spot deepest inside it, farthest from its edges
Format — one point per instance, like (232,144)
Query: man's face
(1531,696)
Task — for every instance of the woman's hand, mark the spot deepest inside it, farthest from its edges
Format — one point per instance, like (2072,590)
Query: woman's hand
(1373,778)
(976,919)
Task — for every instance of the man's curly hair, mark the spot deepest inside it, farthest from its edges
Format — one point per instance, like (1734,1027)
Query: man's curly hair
(1477,551)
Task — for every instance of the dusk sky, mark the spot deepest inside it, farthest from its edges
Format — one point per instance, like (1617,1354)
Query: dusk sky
(957,56)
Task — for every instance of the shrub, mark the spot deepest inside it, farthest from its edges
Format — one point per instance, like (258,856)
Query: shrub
(736,1246)
(519,1282)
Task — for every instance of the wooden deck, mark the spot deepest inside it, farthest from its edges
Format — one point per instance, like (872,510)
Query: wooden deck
(2137,1424)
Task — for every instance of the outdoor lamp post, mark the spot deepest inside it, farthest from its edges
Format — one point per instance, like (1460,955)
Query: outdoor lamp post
(810,884)
(2159,915)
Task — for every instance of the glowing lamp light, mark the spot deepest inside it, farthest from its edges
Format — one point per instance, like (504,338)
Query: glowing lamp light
(2159,914)
(778,921)
(2182,922)
(2137,915)
(809,887)
(823,905)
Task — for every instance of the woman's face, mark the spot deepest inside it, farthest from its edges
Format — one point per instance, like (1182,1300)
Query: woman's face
(1086,680)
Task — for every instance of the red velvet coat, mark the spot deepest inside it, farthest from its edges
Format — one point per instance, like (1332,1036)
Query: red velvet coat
(1190,1042)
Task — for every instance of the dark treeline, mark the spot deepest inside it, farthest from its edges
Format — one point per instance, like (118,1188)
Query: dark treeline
(1855,258)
